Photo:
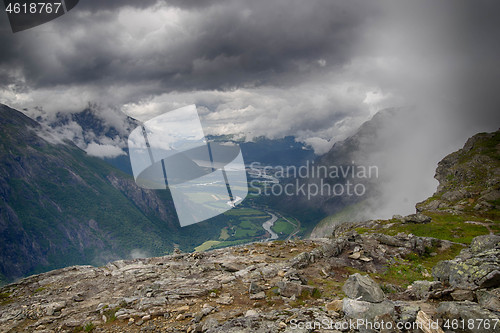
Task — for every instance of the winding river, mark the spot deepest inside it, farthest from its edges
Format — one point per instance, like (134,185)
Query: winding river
(267,226)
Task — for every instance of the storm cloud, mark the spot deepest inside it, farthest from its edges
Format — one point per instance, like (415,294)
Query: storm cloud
(313,69)
(260,66)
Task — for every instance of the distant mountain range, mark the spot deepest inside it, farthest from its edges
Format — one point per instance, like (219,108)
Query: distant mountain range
(60,206)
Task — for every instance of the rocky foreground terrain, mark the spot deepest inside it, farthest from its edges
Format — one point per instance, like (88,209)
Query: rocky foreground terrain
(434,271)
(263,287)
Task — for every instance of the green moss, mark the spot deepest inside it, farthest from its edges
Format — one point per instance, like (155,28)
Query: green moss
(362,230)
(297,303)
(327,288)
(38,290)
(89,327)
(5,298)
(272,292)
(216,291)
(316,293)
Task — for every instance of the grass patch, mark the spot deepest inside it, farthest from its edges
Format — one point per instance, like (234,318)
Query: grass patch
(5,298)
(304,296)
(206,245)
(224,234)
(243,211)
(39,290)
(89,327)
(362,230)
(282,226)
(244,233)
(111,314)
(404,272)
(246,224)
(443,226)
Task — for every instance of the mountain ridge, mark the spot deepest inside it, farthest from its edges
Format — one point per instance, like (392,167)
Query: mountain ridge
(57,198)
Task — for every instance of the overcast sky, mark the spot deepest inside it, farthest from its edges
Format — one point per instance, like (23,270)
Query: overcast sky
(313,69)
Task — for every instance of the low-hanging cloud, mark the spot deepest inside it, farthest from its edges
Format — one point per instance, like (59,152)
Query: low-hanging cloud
(98,150)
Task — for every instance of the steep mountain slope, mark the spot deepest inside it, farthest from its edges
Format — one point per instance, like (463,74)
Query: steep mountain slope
(59,207)
(466,203)
(469,179)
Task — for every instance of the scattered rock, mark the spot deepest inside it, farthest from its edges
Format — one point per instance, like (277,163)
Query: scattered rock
(230,267)
(289,289)
(422,289)
(417,218)
(335,305)
(407,313)
(484,243)
(462,295)
(366,310)
(52,308)
(478,267)
(251,313)
(427,324)
(258,296)
(301,260)
(225,300)
(182,309)
(355,255)
(254,288)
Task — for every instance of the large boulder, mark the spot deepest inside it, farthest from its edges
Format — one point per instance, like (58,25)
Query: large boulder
(289,289)
(489,299)
(356,309)
(467,317)
(363,288)
(484,243)
(416,218)
(476,267)
(422,289)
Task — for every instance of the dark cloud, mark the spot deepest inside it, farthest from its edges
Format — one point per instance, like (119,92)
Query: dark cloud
(227,45)
(337,61)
